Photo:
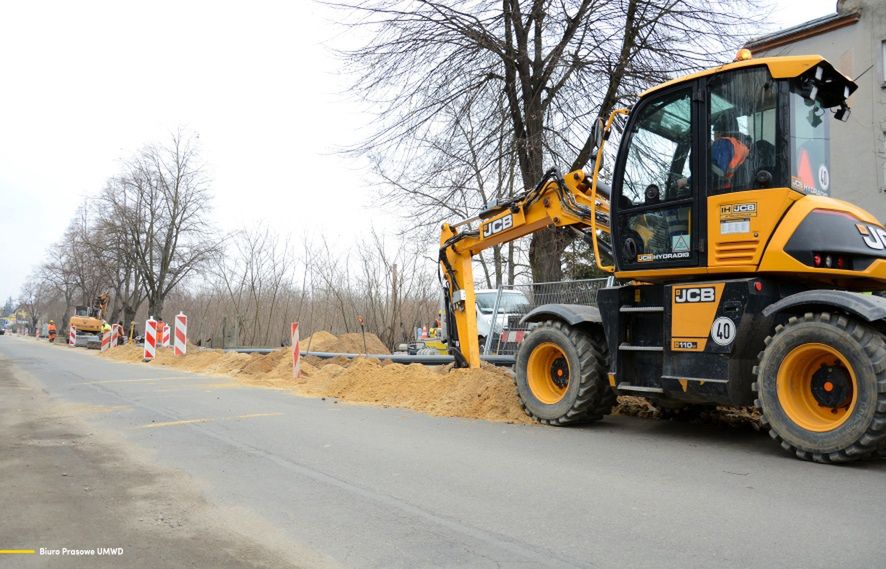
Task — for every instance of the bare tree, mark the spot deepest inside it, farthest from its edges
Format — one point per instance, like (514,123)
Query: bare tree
(31,299)
(117,246)
(160,202)
(59,276)
(552,67)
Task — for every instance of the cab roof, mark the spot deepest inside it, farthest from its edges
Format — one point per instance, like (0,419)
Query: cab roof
(783,67)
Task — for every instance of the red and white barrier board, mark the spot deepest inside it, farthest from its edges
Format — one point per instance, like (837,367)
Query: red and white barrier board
(512,336)
(37,332)
(72,337)
(164,335)
(296,351)
(116,330)
(106,341)
(180,342)
(150,339)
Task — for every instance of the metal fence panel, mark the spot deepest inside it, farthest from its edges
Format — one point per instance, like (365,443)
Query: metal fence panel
(510,304)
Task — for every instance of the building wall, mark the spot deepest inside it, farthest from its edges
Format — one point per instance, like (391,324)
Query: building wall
(858,147)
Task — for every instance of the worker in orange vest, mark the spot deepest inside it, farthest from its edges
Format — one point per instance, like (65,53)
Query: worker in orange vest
(727,151)
(51,330)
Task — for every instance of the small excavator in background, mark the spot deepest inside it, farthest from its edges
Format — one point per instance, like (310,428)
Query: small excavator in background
(88,320)
(736,279)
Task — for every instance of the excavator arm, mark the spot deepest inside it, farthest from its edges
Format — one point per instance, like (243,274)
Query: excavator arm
(570,202)
(101,305)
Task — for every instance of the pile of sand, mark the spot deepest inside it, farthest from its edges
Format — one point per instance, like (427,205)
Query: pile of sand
(487,393)
(352,343)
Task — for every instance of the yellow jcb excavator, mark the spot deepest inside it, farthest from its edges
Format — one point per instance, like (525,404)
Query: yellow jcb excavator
(736,279)
(88,320)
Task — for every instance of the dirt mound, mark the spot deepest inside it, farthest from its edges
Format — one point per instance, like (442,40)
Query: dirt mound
(318,342)
(486,393)
(351,343)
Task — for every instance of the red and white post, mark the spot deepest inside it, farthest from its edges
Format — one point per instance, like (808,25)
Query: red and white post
(180,342)
(37,332)
(106,340)
(296,351)
(150,339)
(72,337)
(115,335)
(164,335)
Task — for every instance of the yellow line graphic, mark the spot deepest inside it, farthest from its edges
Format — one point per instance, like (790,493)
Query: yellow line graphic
(17,551)
(206,420)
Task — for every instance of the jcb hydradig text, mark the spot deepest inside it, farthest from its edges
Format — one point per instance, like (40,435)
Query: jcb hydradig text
(737,280)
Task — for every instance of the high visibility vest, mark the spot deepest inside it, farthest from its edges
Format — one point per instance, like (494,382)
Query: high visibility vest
(728,153)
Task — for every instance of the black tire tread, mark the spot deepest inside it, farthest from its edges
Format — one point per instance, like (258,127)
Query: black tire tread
(873,441)
(595,397)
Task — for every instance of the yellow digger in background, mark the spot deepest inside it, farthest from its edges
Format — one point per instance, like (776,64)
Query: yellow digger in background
(736,279)
(88,320)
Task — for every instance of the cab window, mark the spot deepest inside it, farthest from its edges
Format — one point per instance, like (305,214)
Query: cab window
(655,223)
(810,140)
(743,142)
(658,162)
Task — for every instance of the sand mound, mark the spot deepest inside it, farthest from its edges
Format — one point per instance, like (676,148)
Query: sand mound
(486,393)
(351,343)
(318,341)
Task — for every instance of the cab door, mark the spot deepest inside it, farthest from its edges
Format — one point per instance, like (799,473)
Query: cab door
(656,223)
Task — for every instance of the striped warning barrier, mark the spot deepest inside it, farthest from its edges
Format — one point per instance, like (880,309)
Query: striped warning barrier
(106,341)
(150,339)
(180,342)
(37,332)
(116,329)
(296,351)
(72,337)
(164,335)
(512,336)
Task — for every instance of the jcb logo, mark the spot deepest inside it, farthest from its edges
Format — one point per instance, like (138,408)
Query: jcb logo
(738,210)
(874,237)
(498,225)
(702,294)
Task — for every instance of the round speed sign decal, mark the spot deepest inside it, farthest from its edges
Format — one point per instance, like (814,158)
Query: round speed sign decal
(723,331)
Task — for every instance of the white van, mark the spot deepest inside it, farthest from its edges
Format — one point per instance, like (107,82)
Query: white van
(511,302)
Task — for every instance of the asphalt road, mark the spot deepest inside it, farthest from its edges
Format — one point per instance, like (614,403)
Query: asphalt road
(313,483)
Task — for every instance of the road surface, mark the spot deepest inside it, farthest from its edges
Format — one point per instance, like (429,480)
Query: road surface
(184,470)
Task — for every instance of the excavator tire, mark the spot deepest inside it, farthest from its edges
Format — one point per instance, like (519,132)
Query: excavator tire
(821,387)
(561,375)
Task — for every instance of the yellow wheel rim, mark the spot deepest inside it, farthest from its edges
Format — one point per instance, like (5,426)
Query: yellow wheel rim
(816,387)
(548,373)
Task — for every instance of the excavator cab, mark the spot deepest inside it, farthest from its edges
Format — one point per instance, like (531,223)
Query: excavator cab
(743,144)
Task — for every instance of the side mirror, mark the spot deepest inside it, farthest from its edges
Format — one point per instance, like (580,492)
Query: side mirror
(597,132)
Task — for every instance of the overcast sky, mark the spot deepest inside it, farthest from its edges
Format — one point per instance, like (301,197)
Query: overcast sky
(85,84)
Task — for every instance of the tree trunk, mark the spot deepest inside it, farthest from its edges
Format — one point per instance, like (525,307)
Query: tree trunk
(128,316)
(155,306)
(545,254)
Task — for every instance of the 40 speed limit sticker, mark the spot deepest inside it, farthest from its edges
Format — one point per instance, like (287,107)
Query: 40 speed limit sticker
(723,331)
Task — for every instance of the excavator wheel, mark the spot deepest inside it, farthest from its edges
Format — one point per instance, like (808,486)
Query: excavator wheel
(821,387)
(561,375)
